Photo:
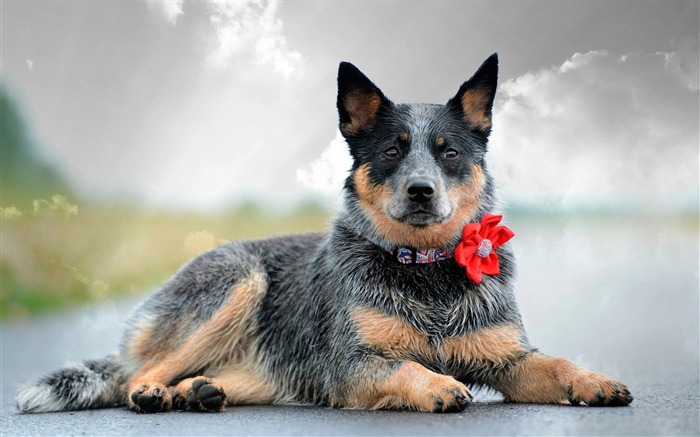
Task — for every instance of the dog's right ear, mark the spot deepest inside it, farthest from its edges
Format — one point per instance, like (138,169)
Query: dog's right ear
(359,100)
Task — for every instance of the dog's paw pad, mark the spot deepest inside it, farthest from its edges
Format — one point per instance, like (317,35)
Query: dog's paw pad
(205,396)
(150,398)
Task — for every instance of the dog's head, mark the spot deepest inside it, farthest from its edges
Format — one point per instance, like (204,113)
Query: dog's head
(418,171)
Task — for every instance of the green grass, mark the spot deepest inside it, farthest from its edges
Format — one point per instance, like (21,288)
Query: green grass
(57,254)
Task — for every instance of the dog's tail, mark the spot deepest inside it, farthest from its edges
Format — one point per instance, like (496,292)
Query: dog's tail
(92,384)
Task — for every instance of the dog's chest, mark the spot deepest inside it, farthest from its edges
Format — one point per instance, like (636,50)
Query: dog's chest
(395,338)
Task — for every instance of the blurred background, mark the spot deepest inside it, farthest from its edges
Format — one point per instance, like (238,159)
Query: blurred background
(135,135)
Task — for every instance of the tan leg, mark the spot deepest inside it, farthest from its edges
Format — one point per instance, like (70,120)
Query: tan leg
(542,379)
(233,386)
(244,386)
(223,339)
(396,384)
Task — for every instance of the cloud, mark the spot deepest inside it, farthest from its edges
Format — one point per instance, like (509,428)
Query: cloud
(327,173)
(249,28)
(600,125)
(252,28)
(171,9)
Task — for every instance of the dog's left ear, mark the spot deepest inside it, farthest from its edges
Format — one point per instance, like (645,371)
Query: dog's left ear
(359,100)
(475,97)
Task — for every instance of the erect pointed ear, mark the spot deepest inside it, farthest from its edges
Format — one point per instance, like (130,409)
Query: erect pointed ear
(475,97)
(359,100)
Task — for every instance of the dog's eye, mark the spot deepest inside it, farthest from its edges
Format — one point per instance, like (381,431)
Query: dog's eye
(451,153)
(392,153)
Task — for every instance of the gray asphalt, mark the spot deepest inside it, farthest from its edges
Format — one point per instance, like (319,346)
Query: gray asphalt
(633,313)
(658,410)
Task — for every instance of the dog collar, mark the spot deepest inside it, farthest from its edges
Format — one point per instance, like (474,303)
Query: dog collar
(411,255)
(476,252)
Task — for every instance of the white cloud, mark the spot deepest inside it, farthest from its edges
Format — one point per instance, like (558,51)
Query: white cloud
(252,28)
(171,9)
(327,173)
(30,64)
(600,125)
(248,28)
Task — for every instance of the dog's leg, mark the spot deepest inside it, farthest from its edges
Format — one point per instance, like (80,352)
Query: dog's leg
(244,386)
(379,383)
(224,339)
(236,385)
(538,378)
(146,389)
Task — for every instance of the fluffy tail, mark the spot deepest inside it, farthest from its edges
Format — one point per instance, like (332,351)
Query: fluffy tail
(92,384)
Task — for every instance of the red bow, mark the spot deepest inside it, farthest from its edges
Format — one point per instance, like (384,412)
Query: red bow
(476,252)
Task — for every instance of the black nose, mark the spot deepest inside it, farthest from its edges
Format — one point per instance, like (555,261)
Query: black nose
(420,189)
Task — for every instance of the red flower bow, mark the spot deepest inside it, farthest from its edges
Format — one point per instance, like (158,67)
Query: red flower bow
(476,252)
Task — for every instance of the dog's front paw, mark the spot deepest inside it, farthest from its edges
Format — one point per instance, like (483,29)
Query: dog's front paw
(445,394)
(150,398)
(598,390)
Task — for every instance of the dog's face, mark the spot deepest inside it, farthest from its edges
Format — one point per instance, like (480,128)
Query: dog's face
(418,169)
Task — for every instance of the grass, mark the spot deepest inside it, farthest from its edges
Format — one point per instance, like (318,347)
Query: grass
(57,254)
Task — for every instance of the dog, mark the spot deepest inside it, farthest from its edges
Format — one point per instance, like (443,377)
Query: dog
(405,303)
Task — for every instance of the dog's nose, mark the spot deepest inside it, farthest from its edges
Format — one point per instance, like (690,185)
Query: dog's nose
(420,189)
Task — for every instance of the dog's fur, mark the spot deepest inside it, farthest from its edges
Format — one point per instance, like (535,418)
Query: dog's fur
(334,319)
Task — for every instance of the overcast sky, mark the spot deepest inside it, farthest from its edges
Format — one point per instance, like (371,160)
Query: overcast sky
(197,104)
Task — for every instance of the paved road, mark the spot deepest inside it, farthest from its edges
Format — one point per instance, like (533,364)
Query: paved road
(632,312)
(656,411)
